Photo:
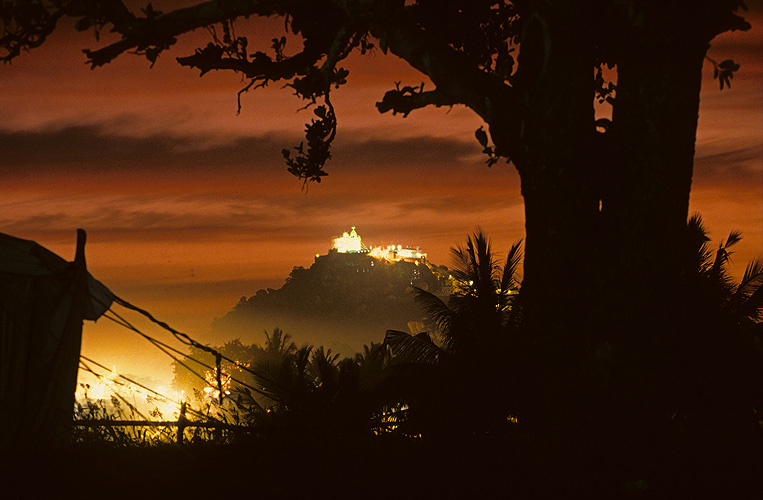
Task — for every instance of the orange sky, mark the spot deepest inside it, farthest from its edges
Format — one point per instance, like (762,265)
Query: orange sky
(188,206)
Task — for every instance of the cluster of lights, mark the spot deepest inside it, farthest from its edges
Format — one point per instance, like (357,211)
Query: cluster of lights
(211,391)
(395,253)
(352,243)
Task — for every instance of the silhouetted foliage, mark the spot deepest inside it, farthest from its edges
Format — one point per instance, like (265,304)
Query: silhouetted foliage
(280,389)
(719,351)
(458,380)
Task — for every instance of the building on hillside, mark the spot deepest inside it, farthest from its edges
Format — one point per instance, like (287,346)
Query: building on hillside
(352,243)
(349,243)
(396,253)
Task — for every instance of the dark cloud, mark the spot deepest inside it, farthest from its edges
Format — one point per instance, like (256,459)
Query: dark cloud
(261,218)
(710,156)
(93,148)
(407,153)
(81,149)
(723,167)
(444,204)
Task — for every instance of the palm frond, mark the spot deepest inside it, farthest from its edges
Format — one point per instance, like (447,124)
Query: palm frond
(698,252)
(324,366)
(747,301)
(244,399)
(412,348)
(485,263)
(372,355)
(508,278)
(719,270)
(279,342)
(322,353)
(734,237)
(723,255)
(753,277)
(474,266)
(435,309)
(489,265)
(301,361)
(275,378)
(462,266)
(372,363)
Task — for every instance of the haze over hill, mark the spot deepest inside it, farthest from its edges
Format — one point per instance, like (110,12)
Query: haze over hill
(346,298)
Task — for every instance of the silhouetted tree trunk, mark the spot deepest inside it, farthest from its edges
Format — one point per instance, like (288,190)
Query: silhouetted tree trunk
(605,212)
(646,201)
(557,163)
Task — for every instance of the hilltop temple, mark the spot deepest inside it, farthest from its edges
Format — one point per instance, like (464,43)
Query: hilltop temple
(352,243)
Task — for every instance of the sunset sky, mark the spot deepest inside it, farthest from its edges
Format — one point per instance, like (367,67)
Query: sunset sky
(189,207)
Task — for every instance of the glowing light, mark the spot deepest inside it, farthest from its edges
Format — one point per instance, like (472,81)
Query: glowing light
(396,253)
(349,243)
(352,243)
(211,391)
(110,393)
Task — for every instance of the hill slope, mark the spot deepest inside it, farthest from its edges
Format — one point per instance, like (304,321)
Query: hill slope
(344,300)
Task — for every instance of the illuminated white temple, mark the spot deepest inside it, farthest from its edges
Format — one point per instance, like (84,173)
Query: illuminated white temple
(349,243)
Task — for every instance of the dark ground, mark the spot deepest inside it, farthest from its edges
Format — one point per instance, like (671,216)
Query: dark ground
(507,466)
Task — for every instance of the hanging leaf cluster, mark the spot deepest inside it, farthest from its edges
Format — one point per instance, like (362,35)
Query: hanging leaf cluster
(724,72)
(307,164)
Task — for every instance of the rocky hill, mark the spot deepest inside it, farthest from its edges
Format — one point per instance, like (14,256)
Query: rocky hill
(342,301)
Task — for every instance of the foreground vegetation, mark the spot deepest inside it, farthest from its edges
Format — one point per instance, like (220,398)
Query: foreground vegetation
(449,411)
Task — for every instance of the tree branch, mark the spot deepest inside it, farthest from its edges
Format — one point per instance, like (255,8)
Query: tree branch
(259,65)
(26,30)
(160,30)
(458,80)
(409,98)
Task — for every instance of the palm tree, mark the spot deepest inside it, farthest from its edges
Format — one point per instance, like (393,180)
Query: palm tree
(310,390)
(720,366)
(281,375)
(478,311)
(741,302)
(457,378)
(279,342)
(712,387)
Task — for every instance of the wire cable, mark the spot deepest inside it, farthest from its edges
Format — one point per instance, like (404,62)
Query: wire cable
(158,394)
(164,348)
(116,394)
(184,338)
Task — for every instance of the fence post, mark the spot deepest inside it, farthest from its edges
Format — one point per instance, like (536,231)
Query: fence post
(181,423)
